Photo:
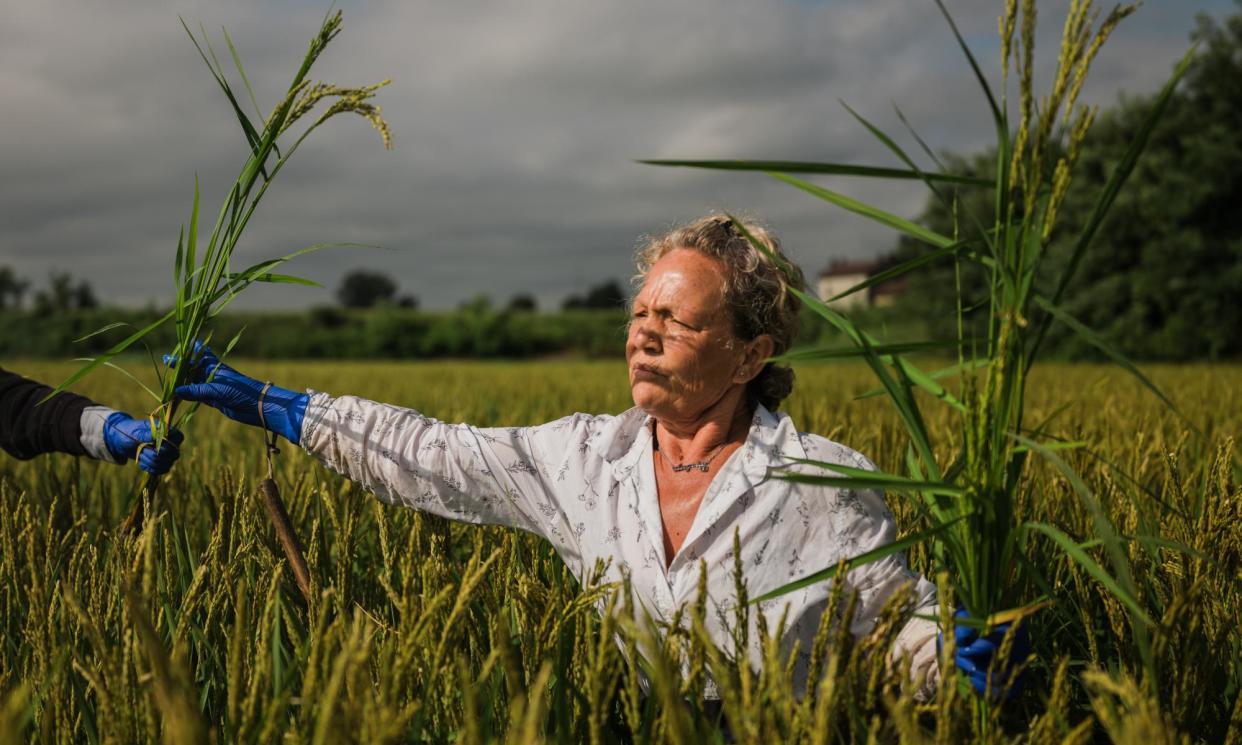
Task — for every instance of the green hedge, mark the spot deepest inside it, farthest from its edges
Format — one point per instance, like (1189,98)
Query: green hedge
(385,333)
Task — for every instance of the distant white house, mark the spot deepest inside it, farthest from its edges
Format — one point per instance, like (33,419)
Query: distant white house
(842,274)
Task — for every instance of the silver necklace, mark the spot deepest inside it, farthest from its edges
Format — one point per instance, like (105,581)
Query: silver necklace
(702,465)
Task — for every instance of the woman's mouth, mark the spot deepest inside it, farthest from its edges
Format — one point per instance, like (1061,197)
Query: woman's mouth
(646,372)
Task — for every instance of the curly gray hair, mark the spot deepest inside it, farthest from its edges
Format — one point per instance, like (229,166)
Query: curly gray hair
(756,288)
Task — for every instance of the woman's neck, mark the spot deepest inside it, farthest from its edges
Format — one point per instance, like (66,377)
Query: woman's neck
(699,438)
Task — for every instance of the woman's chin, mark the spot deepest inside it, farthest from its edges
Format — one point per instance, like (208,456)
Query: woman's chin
(648,397)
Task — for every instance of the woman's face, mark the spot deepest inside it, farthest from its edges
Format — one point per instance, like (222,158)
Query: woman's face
(681,351)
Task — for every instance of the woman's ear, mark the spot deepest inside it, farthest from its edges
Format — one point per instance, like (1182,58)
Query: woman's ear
(754,357)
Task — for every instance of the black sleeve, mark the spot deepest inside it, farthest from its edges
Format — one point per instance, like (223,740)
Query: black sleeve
(27,430)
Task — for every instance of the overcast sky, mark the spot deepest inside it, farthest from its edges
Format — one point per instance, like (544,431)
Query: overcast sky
(516,127)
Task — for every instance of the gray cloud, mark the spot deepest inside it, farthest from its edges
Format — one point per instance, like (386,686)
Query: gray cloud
(516,127)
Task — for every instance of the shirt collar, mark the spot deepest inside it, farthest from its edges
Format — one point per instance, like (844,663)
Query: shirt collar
(772,441)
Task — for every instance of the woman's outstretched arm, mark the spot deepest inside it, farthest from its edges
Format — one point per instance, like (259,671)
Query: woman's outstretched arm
(498,476)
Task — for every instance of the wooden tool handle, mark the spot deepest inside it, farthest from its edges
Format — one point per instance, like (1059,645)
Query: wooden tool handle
(284,532)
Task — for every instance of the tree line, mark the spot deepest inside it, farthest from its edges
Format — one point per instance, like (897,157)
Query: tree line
(1162,279)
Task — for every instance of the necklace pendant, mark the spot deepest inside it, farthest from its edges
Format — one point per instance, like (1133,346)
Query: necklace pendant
(702,466)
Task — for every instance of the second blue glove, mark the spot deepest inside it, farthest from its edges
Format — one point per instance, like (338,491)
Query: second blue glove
(125,436)
(976,657)
(237,396)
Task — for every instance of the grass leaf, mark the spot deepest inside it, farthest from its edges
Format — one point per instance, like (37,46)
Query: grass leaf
(901,224)
(1101,344)
(827,169)
(1076,552)
(857,561)
(101,360)
(97,332)
(1121,173)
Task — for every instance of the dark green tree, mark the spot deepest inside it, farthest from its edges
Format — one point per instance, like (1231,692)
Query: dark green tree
(12,289)
(363,289)
(1161,278)
(523,303)
(606,295)
(63,296)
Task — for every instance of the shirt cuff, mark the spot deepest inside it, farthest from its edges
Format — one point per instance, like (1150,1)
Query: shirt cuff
(316,410)
(918,639)
(91,426)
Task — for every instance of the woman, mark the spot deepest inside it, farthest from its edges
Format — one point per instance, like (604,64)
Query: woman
(658,489)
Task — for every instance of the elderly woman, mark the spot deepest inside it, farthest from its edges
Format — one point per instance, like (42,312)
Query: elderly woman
(655,490)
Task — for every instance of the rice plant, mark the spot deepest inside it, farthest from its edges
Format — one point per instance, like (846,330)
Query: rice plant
(204,280)
(430,631)
(970,501)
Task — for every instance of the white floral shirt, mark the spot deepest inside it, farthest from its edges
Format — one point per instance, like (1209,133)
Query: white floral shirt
(587,484)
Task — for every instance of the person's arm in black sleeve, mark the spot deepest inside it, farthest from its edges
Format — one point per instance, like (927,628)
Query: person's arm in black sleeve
(73,424)
(27,430)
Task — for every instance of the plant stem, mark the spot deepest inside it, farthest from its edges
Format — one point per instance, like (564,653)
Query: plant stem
(133,523)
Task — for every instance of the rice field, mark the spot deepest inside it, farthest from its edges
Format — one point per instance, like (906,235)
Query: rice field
(426,631)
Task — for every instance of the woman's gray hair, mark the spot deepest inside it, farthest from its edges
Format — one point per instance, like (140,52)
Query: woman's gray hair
(756,288)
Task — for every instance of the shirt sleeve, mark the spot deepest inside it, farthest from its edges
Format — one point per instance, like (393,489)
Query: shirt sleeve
(873,526)
(495,476)
(28,429)
(91,426)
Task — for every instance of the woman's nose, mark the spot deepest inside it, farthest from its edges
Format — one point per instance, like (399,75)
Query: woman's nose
(644,334)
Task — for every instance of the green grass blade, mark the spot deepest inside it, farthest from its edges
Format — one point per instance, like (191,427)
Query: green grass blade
(927,150)
(1153,543)
(899,270)
(97,332)
(944,372)
(921,379)
(1055,446)
(828,169)
(179,272)
(900,395)
(857,561)
(1076,552)
(914,230)
(191,244)
(1099,343)
(1108,533)
(897,150)
(241,71)
(864,478)
(912,486)
(804,355)
(231,288)
(276,279)
(102,359)
(997,116)
(252,133)
(1121,173)
(127,374)
(253,138)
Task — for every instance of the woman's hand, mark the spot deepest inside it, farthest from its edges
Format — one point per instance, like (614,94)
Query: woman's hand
(238,396)
(976,656)
(125,436)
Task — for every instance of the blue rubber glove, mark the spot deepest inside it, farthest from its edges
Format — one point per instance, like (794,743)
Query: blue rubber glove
(124,437)
(237,396)
(975,656)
